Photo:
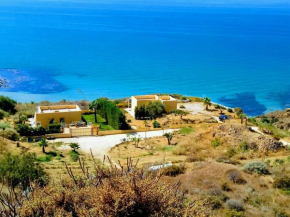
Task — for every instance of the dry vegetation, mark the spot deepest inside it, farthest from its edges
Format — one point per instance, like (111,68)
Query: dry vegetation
(213,157)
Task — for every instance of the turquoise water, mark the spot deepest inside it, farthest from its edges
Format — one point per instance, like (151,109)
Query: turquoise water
(238,56)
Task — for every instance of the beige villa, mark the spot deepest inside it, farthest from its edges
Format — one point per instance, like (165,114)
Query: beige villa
(46,115)
(169,102)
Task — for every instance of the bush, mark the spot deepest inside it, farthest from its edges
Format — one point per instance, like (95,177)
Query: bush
(3,114)
(244,147)
(227,160)
(256,167)
(74,155)
(173,170)
(231,152)
(156,124)
(194,159)
(129,121)
(280,213)
(109,192)
(214,202)
(235,205)
(182,106)
(4,125)
(21,170)
(230,110)
(54,128)
(278,162)
(238,111)
(9,133)
(235,176)
(282,182)
(234,213)
(225,187)
(216,142)
(7,104)
(24,130)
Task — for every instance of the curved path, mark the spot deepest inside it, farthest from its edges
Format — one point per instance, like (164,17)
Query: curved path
(101,145)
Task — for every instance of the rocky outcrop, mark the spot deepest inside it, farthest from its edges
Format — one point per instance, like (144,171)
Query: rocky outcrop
(234,134)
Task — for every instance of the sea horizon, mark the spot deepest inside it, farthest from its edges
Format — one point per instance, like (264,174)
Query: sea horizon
(237,56)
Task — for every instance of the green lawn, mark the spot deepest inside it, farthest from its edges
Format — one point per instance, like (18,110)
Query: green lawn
(101,121)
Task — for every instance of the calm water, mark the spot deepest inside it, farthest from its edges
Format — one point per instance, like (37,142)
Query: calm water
(238,56)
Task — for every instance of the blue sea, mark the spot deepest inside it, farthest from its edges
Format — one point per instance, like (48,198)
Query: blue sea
(234,52)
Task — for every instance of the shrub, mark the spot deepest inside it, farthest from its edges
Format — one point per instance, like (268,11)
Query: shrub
(7,104)
(9,133)
(238,111)
(217,192)
(225,187)
(129,121)
(214,202)
(282,182)
(110,192)
(24,130)
(233,204)
(4,126)
(173,170)
(156,124)
(21,170)
(280,213)
(230,110)
(278,162)
(182,106)
(194,159)
(216,142)
(3,114)
(235,176)
(231,152)
(54,128)
(234,213)
(244,147)
(227,160)
(256,167)
(74,156)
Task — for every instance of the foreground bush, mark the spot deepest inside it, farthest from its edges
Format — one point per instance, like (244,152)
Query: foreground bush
(19,171)
(256,167)
(110,192)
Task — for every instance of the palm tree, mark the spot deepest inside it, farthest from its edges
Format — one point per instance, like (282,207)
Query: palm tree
(207,102)
(169,137)
(74,146)
(95,105)
(136,140)
(43,143)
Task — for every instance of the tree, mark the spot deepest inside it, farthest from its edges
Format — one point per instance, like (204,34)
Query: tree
(21,170)
(74,146)
(155,109)
(207,102)
(180,112)
(95,105)
(169,137)
(43,143)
